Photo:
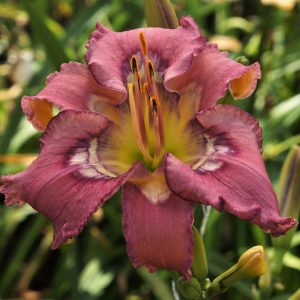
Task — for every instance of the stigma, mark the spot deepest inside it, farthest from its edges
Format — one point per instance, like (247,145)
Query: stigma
(145,108)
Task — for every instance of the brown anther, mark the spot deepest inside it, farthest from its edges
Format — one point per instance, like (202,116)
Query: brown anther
(135,70)
(154,105)
(134,64)
(150,69)
(143,43)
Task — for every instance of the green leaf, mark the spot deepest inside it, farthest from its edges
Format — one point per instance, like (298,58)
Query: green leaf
(54,49)
(157,284)
(28,237)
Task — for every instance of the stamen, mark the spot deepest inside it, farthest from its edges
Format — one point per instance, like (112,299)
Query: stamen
(147,91)
(151,79)
(149,106)
(157,110)
(151,136)
(157,140)
(150,70)
(159,143)
(135,70)
(140,115)
(138,124)
(154,105)
(143,43)
(134,64)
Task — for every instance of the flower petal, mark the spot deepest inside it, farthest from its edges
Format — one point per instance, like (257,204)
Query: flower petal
(233,177)
(211,74)
(109,52)
(244,86)
(71,88)
(158,235)
(66,183)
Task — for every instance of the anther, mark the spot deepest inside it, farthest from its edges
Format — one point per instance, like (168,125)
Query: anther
(134,64)
(143,43)
(154,105)
(135,70)
(150,70)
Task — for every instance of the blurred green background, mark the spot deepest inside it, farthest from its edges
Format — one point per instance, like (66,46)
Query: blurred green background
(36,36)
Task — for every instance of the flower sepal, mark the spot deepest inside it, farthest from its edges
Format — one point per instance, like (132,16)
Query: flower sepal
(189,289)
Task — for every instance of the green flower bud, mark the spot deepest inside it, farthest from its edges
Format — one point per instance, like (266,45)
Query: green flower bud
(199,267)
(289,202)
(252,263)
(189,289)
(243,60)
(160,13)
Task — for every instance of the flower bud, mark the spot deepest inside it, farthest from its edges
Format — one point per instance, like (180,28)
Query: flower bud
(289,202)
(160,13)
(252,263)
(189,289)
(289,187)
(199,267)
(243,60)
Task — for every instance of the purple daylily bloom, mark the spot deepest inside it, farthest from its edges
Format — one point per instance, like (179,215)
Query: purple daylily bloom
(142,114)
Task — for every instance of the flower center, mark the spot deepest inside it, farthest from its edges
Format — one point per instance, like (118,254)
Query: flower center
(152,122)
(145,109)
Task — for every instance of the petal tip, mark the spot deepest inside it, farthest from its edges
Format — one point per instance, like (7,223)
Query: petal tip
(244,86)
(282,227)
(10,191)
(188,21)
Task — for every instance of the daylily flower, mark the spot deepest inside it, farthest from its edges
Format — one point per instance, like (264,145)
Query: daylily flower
(142,114)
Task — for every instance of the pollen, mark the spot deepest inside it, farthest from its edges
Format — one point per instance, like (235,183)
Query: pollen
(143,42)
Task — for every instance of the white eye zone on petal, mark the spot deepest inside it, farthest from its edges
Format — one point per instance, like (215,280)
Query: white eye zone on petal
(210,165)
(88,160)
(209,161)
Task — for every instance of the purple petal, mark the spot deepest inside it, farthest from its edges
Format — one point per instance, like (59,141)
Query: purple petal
(158,235)
(65,183)
(210,76)
(109,52)
(71,88)
(233,176)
